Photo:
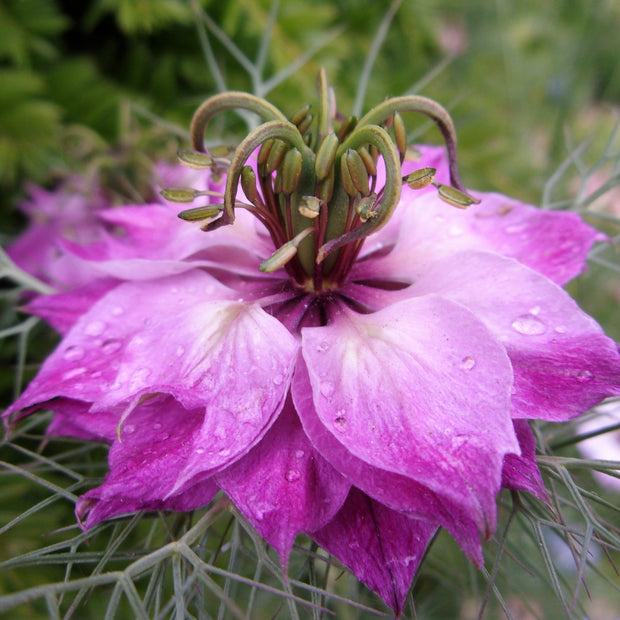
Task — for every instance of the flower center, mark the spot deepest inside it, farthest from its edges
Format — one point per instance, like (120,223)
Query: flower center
(319,184)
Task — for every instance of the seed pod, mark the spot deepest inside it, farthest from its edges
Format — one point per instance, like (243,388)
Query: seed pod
(345,176)
(248,184)
(369,162)
(419,179)
(278,150)
(325,156)
(400,134)
(454,197)
(305,124)
(357,171)
(194,159)
(291,171)
(300,115)
(179,194)
(325,188)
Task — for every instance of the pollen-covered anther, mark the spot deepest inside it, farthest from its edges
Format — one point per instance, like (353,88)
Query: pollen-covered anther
(455,197)
(310,207)
(285,252)
(366,207)
(419,179)
(198,214)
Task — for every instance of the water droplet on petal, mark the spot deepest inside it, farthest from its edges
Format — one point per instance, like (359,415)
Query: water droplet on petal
(117,311)
(455,231)
(96,328)
(129,428)
(73,354)
(277,379)
(535,310)
(584,376)
(467,363)
(111,346)
(180,350)
(440,218)
(322,346)
(528,325)
(72,373)
(341,422)
(292,475)
(300,454)
(327,388)
(157,426)
(199,450)
(561,329)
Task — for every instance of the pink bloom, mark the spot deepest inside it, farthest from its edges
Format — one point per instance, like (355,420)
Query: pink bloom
(365,399)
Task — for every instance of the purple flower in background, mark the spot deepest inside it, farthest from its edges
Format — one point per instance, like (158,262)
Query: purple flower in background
(359,365)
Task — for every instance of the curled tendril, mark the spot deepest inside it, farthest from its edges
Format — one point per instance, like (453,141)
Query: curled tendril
(314,186)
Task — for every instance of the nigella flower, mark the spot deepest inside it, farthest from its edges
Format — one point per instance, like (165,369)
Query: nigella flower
(359,365)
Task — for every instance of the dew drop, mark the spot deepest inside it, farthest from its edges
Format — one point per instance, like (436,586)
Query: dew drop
(300,454)
(277,379)
(584,376)
(535,310)
(72,373)
(96,328)
(528,325)
(73,354)
(341,422)
(292,475)
(322,346)
(561,329)
(455,231)
(129,428)
(180,350)
(467,363)
(515,228)
(327,388)
(224,452)
(440,218)
(140,375)
(117,311)
(199,450)
(111,346)
(157,426)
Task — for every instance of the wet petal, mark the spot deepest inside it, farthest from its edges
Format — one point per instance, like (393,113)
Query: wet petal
(146,465)
(521,473)
(563,362)
(284,486)
(382,547)
(553,243)
(420,389)
(395,491)
(85,364)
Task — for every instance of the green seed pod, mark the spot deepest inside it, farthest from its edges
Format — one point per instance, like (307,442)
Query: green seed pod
(454,197)
(325,188)
(265,150)
(278,150)
(400,134)
(300,115)
(179,194)
(198,214)
(419,179)
(291,171)
(194,159)
(369,162)
(248,184)
(345,176)
(305,124)
(325,156)
(357,171)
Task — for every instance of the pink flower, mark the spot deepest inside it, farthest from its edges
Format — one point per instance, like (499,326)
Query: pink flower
(365,394)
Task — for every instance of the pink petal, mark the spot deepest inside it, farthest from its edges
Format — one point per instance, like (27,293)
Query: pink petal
(85,364)
(382,547)
(393,490)
(521,473)
(563,362)
(420,389)
(146,465)
(73,418)
(284,486)
(553,243)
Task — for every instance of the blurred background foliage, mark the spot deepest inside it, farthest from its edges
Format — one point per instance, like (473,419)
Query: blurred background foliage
(109,86)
